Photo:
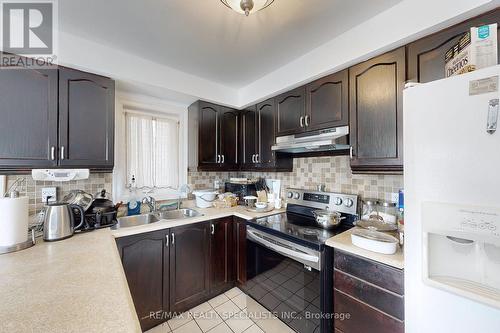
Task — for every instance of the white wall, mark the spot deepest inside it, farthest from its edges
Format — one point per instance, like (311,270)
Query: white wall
(405,22)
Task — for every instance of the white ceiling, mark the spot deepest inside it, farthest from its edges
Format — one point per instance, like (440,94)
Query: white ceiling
(206,39)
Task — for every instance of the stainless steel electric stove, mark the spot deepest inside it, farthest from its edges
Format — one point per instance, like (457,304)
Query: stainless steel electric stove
(289,268)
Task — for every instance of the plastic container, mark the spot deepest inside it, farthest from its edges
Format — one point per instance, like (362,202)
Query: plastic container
(205,198)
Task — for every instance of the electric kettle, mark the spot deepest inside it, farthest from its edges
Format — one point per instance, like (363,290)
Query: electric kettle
(59,221)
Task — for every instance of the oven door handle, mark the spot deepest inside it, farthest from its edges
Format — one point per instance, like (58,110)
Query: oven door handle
(255,237)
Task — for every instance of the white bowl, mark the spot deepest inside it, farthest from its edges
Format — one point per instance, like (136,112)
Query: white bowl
(261,205)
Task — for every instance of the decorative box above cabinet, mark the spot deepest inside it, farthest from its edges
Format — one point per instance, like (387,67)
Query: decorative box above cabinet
(426,56)
(376,113)
(327,102)
(55,118)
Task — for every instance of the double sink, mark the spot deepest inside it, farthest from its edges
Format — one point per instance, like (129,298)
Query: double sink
(136,220)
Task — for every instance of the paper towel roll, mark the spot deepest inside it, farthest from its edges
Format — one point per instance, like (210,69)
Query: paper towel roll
(13,220)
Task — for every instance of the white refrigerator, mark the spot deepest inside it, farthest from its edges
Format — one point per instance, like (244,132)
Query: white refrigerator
(452,204)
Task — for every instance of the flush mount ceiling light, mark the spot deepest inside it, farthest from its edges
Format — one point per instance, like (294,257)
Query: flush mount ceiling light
(247,7)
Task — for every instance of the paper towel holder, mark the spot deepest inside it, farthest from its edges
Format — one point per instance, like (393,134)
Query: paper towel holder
(20,246)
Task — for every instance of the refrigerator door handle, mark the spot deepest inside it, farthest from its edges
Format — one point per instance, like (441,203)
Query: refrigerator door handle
(491,126)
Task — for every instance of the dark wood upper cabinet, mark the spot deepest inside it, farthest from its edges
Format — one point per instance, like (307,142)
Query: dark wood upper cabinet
(28,113)
(327,102)
(249,138)
(86,119)
(56,117)
(426,56)
(145,260)
(290,112)
(189,266)
(376,113)
(208,142)
(222,255)
(265,111)
(228,129)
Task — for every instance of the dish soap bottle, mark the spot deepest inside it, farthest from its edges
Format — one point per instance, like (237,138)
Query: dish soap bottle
(134,205)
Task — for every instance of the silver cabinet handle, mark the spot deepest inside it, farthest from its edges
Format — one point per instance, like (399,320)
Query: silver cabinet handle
(301,121)
(213,228)
(223,159)
(351,155)
(166,240)
(173,239)
(307,120)
(62,152)
(53,153)
(218,159)
(257,158)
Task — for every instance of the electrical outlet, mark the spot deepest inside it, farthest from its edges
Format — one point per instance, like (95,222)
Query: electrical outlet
(395,197)
(50,193)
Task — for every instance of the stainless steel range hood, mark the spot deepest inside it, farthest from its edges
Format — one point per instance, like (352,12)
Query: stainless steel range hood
(323,140)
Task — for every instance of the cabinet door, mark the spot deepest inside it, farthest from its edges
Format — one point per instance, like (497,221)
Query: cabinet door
(266,133)
(221,256)
(376,113)
(228,119)
(189,266)
(86,120)
(145,262)
(240,241)
(290,112)
(28,113)
(327,102)
(208,144)
(249,135)
(426,55)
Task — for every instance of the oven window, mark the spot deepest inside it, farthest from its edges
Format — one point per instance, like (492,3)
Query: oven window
(284,287)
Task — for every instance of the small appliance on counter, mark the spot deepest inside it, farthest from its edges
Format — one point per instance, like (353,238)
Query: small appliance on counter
(59,221)
(242,188)
(99,210)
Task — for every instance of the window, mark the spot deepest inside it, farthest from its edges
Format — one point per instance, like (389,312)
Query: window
(152,150)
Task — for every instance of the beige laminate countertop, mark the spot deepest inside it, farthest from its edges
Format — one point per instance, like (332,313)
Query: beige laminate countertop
(78,284)
(343,242)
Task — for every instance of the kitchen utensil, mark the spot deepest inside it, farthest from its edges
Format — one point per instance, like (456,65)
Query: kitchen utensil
(370,208)
(80,198)
(205,198)
(59,221)
(387,211)
(376,225)
(327,219)
(374,241)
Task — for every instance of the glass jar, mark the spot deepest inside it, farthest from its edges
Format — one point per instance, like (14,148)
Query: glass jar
(370,209)
(388,212)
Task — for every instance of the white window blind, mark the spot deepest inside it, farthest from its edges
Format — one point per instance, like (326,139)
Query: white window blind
(152,150)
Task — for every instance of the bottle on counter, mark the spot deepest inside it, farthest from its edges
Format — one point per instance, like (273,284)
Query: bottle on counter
(134,205)
(401,219)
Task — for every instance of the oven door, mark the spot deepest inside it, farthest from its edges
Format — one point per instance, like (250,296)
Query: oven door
(285,278)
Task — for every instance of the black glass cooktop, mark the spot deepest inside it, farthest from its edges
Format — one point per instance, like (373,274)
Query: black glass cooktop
(298,228)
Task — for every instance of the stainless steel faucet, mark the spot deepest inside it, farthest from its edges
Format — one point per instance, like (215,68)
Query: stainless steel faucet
(151,202)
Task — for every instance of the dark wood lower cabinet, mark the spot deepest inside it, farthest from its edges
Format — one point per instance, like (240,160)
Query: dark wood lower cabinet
(240,242)
(222,256)
(145,260)
(368,296)
(189,266)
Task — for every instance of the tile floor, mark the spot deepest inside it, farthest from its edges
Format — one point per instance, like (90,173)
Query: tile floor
(231,312)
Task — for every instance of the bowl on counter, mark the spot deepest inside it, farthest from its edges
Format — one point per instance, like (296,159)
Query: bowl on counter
(261,205)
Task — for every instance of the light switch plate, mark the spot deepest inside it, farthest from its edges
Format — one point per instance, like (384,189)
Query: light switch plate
(49,192)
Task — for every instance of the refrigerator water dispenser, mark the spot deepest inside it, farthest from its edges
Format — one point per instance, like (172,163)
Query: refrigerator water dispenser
(461,247)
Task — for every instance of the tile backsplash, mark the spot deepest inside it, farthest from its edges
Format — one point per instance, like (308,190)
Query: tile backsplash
(33,189)
(334,172)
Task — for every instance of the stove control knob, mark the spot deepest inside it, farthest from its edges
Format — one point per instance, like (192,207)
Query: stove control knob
(296,196)
(348,202)
(338,201)
(289,195)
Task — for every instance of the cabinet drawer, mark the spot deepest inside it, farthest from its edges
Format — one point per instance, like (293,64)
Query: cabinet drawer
(381,299)
(363,318)
(384,276)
